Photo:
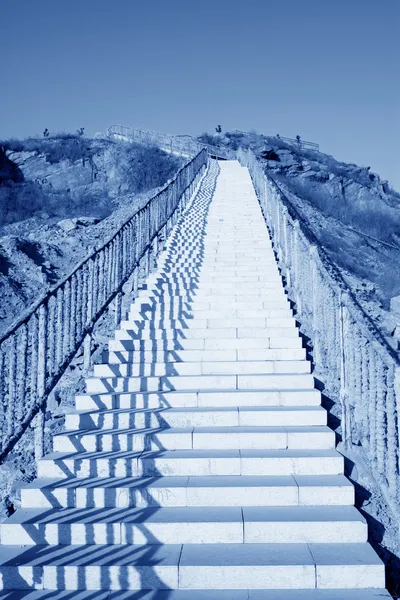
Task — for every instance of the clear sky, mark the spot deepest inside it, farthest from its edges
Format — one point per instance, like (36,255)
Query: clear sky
(328,70)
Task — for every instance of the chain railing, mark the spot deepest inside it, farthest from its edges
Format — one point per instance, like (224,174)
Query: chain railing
(36,351)
(353,359)
(185,145)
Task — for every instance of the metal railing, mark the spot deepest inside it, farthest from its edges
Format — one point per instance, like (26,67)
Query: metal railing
(355,362)
(36,351)
(184,145)
(301,143)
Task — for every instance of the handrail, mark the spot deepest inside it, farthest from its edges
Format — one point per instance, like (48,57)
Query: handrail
(357,365)
(37,349)
(301,143)
(179,144)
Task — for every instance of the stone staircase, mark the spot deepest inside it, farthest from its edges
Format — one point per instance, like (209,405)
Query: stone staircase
(198,465)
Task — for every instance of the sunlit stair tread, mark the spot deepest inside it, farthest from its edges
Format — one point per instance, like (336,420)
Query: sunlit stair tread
(311,594)
(90,419)
(235,367)
(185,513)
(245,565)
(169,525)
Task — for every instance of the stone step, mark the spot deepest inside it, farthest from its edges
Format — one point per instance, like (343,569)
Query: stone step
(165,323)
(273,381)
(187,438)
(196,417)
(226,594)
(187,315)
(190,463)
(205,344)
(217,279)
(234,367)
(177,280)
(219,272)
(239,301)
(185,525)
(239,490)
(272,566)
(217,269)
(192,566)
(203,311)
(188,356)
(227,333)
(236,398)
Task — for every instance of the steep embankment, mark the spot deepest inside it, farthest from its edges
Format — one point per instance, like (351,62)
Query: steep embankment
(354,215)
(60,197)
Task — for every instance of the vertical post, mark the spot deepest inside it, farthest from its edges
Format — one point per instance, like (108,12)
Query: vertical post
(393,449)
(12,385)
(118,308)
(315,307)
(90,309)
(343,392)
(87,350)
(41,383)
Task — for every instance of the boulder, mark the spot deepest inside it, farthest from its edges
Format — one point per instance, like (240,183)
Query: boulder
(395,305)
(67,224)
(86,221)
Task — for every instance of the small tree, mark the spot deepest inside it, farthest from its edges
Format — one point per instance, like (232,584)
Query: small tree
(46,133)
(298,140)
(278,136)
(80,131)
(218,129)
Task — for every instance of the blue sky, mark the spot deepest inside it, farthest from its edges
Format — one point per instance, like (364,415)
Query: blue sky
(326,70)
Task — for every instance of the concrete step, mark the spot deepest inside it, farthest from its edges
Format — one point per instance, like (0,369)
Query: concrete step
(186,438)
(185,525)
(182,343)
(196,417)
(273,307)
(219,271)
(206,333)
(203,398)
(193,566)
(190,463)
(272,381)
(272,566)
(223,271)
(187,356)
(233,367)
(147,297)
(184,322)
(236,293)
(188,313)
(241,490)
(315,594)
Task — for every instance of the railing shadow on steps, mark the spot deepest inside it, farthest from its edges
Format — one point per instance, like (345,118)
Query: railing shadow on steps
(38,348)
(355,362)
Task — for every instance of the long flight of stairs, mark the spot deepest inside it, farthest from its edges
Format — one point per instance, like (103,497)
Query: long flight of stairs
(198,465)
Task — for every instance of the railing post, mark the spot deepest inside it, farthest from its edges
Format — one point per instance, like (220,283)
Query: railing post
(87,352)
(41,383)
(118,308)
(343,391)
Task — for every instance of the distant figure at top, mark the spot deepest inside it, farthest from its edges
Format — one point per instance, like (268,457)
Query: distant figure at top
(218,129)
(298,140)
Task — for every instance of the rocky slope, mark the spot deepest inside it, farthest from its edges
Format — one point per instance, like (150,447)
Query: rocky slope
(59,198)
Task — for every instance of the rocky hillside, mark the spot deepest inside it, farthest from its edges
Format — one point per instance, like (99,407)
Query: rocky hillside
(61,196)
(352,212)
